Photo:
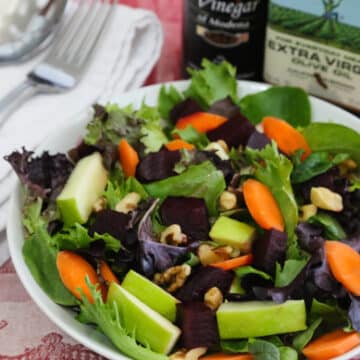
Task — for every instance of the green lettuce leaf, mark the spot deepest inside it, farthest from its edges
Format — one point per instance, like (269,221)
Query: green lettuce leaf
(118,188)
(40,256)
(332,228)
(107,319)
(247,270)
(333,138)
(302,339)
(263,350)
(313,165)
(192,136)
(212,82)
(274,170)
(77,237)
(234,346)
(292,268)
(200,181)
(168,98)
(288,103)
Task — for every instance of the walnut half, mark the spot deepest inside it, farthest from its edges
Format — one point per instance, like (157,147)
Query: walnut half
(173,278)
(193,354)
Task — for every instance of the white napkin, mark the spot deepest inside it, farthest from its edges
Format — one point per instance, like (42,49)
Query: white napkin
(125,55)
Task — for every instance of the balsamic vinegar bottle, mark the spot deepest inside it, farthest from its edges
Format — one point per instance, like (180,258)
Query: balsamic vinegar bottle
(230,29)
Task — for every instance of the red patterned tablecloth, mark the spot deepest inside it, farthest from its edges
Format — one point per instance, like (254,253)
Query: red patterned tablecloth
(26,333)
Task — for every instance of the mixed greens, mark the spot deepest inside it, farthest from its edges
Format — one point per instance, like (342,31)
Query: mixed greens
(211,223)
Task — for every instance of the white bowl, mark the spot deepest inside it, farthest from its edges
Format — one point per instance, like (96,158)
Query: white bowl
(68,137)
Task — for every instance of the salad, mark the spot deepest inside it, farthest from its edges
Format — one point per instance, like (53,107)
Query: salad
(211,226)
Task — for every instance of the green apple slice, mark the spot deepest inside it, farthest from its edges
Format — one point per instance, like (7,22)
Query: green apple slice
(149,327)
(237,320)
(227,231)
(151,294)
(85,185)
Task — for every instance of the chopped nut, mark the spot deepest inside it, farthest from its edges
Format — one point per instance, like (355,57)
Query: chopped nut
(172,235)
(224,145)
(213,298)
(209,255)
(218,149)
(326,199)
(174,277)
(307,211)
(227,201)
(100,204)
(128,203)
(193,354)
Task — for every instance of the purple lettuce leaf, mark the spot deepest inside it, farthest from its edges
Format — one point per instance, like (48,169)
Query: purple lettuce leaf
(44,175)
(198,325)
(203,279)
(153,256)
(258,141)
(354,312)
(309,236)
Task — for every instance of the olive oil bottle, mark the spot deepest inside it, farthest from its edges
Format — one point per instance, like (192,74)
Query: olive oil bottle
(230,29)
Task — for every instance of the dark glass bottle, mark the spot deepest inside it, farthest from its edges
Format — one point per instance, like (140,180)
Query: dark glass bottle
(230,29)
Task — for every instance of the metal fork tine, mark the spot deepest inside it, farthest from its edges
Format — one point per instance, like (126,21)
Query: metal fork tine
(63,40)
(96,29)
(82,33)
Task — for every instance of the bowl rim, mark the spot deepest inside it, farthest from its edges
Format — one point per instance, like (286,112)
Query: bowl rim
(18,260)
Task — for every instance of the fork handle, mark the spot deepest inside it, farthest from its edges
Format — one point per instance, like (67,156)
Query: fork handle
(15,98)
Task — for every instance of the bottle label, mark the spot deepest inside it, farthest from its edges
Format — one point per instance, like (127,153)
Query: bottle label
(225,24)
(316,45)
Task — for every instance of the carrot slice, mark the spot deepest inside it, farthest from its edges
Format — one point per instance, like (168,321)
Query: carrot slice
(201,121)
(262,205)
(107,273)
(222,356)
(234,263)
(179,144)
(73,270)
(331,345)
(287,137)
(128,157)
(344,263)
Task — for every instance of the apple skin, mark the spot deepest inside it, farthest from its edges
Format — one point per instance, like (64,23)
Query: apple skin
(85,185)
(238,320)
(151,294)
(227,231)
(149,327)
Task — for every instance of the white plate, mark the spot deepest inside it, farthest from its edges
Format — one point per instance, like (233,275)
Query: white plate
(68,137)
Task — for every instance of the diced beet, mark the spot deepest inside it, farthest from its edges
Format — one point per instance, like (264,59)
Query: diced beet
(190,213)
(236,131)
(268,249)
(203,279)
(158,165)
(258,140)
(111,222)
(198,325)
(184,108)
(225,107)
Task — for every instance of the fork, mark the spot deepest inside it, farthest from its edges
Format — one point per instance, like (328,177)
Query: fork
(64,66)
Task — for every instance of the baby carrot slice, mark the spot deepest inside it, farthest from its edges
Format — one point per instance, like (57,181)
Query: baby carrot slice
(287,137)
(262,205)
(128,157)
(344,263)
(234,263)
(222,356)
(107,273)
(73,270)
(331,345)
(201,121)
(179,144)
